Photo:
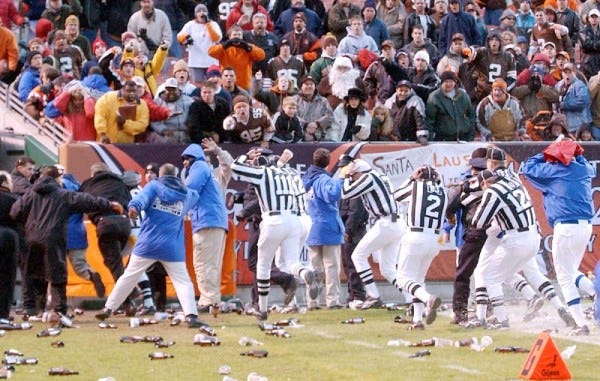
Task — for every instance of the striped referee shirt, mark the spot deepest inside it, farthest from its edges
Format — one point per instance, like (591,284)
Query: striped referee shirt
(427,203)
(299,189)
(508,202)
(376,192)
(275,188)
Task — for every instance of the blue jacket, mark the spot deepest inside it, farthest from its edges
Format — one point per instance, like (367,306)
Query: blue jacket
(324,194)
(76,233)
(567,190)
(377,30)
(284,23)
(96,84)
(29,80)
(165,202)
(460,22)
(211,212)
(576,104)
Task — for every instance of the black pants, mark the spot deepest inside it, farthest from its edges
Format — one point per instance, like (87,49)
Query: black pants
(468,257)
(113,233)
(278,277)
(158,283)
(356,288)
(9,246)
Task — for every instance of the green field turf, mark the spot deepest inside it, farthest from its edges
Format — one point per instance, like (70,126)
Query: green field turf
(323,349)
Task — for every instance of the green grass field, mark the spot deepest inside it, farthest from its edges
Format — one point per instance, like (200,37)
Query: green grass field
(323,349)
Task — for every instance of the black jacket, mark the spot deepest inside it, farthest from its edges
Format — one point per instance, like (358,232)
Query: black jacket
(203,121)
(107,185)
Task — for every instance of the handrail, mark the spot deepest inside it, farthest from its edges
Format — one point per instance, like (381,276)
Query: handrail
(49,128)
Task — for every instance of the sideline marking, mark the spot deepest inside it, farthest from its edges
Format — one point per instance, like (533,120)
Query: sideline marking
(461,368)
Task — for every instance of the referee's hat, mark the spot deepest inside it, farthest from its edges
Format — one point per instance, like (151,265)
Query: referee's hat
(359,166)
(495,153)
(486,175)
(478,158)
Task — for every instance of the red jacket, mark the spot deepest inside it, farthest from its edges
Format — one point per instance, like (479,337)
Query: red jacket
(80,125)
(9,13)
(157,112)
(236,13)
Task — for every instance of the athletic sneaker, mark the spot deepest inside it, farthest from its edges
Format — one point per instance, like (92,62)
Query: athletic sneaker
(580,330)
(473,323)
(312,283)
(416,326)
(371,302)
(290,292)
(498,325)
(431,308)
(355,304)
(533,306)
(566,317)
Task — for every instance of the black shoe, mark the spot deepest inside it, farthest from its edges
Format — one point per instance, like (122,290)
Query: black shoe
(146,311)
(204,309)
(260,316)
(130,308)
(98,285)
(104,314)
(290,292)
(431,308)
(194,322)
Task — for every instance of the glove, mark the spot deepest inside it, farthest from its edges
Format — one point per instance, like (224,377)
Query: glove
(535,83)
(355,130)
(229,43)
(143,33)
(246,46)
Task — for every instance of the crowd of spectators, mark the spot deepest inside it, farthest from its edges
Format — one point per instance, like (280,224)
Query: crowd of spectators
(284,71)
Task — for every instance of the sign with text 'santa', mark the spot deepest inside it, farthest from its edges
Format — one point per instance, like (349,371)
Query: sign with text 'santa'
(544,361)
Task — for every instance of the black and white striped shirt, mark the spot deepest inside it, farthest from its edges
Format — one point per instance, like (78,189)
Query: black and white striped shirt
(275,188)
(508,202)
(427,202)
(299,189)
(376,192)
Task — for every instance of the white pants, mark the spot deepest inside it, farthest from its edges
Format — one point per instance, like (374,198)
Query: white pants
(177,271)
(416,253)
(568,246)
(386,237)
(278,232)
(286,263)
(326,259)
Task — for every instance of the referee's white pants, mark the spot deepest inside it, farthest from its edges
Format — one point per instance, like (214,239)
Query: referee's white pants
(416,253)
(177,271)
(277,232)
(385,236)
(485,256)
(282,262)
(515,249)
(569,243)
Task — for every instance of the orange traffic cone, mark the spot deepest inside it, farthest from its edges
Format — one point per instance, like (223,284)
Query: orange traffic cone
(544,361)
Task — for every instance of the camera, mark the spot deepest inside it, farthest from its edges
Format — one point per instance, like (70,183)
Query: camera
(204,17)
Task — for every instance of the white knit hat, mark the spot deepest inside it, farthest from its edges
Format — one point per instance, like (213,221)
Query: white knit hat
(422,54)
(342,61)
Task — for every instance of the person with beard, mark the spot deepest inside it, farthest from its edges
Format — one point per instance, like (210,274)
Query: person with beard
(492,62)
(325,61)
(206,116)
(198,35)
(500,116)
(285,64)
(341,77)
(285,22)
(243,12)
(351,121)
(420,43)
(453,58)
(422,76)
(303,44)
(264,39)
(456,21)
(273,99)
(449,114)
(174,129)
(408,113)
(356,39)
(377,82)
(314,112)
(248,124)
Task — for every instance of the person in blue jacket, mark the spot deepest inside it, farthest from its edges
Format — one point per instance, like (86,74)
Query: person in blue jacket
(564,177)
(327,230)
(209,226)
(165,202)
(31,75)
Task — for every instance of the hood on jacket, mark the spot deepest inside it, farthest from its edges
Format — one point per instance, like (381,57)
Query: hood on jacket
(171,189)
(194,150)
(70,182)
(311,175)
(45,185)
(96,81)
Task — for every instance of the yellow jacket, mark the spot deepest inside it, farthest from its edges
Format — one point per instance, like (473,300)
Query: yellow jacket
(105,118)
(151,69)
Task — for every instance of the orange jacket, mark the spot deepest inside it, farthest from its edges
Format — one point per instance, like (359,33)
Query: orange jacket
(239,59)
(8,48)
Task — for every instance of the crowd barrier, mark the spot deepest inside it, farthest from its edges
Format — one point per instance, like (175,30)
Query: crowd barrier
(397,160)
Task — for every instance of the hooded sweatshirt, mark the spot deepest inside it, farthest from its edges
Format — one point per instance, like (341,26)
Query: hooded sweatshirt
(165,201)
(211,212)
(324,193)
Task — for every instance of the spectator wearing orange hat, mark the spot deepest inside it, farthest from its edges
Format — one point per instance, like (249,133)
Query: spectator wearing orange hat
(198,35)
(329,45)
(57,12)
(500,116)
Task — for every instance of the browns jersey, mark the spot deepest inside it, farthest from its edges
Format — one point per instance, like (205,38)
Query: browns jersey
(259,127)
(500,65)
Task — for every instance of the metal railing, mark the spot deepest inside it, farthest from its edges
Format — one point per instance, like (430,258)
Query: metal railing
(48,128)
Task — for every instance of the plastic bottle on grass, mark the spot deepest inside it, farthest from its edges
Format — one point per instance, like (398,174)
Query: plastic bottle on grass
(568,352)
(61,372)
(259,353)
(356,320)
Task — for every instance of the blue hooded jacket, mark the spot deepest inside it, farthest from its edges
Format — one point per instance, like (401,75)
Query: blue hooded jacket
(29,80)
(324,194)
(76,233)
(567,190)
(211,212)
(165,202)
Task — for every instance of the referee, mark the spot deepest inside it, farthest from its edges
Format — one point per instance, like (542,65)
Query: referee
(280,228)
(375,190)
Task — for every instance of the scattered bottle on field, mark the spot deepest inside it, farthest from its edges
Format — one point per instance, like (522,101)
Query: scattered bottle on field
(423,343)
(256,353)
(356,320)
(52,331)
(160,356)
(206,341)
(178,319)
(131,339)
(248,341)
(18,360)
(13,352)
(58,344)
(224,370)
(423,353)
(61,372)
(151,339)
(164,344)
(398,343)
(511,349)
(278,333)
(6,372)
(287,322)
(65,321)
(7,325)
(2,332)
(568,352)
(160,316)
(208,330)
(264,326)
(137,322)
(105,325)
(466,342)
(441,342)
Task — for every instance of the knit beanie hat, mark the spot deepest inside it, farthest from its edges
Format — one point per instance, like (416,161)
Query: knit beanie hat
(179,66)
(329,39)
(369,4)
(448,74)
(97,43)
(240,99)
(500,83)
(42,28)
(200,8)
(422,54)
(32,54)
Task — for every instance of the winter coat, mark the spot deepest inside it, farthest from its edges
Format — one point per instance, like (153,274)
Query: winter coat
(80,125)
(20,183)
(315,110)
(9,49)
(429,47)
(76,232)
(450,119)
(569,19)
(488,107)
(29,80)
(107,185)
(165,202)
(204,36)
(285,23)
(151,69)
(525,23)
(534,103)
(424,82)
(378,83)
(105,118)
(96,85)
(590,45)
(408,116)
(377,30)
(59,16)
(352,43)
(340,122)
(317,67)
(211,213)
(236,13)
(338,20)
(323,193)
(204,122)
(176,123)
(460,22)
(240,60)
(158,30)
(287,129)
(269,43)
(575,104)
(413,19)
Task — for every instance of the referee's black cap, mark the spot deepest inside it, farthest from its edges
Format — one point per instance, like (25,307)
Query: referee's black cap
(494,153)
(486,175)
(478,158)
(344,160)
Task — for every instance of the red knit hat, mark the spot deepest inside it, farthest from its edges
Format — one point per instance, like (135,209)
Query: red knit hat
(42,28)
(98,42)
